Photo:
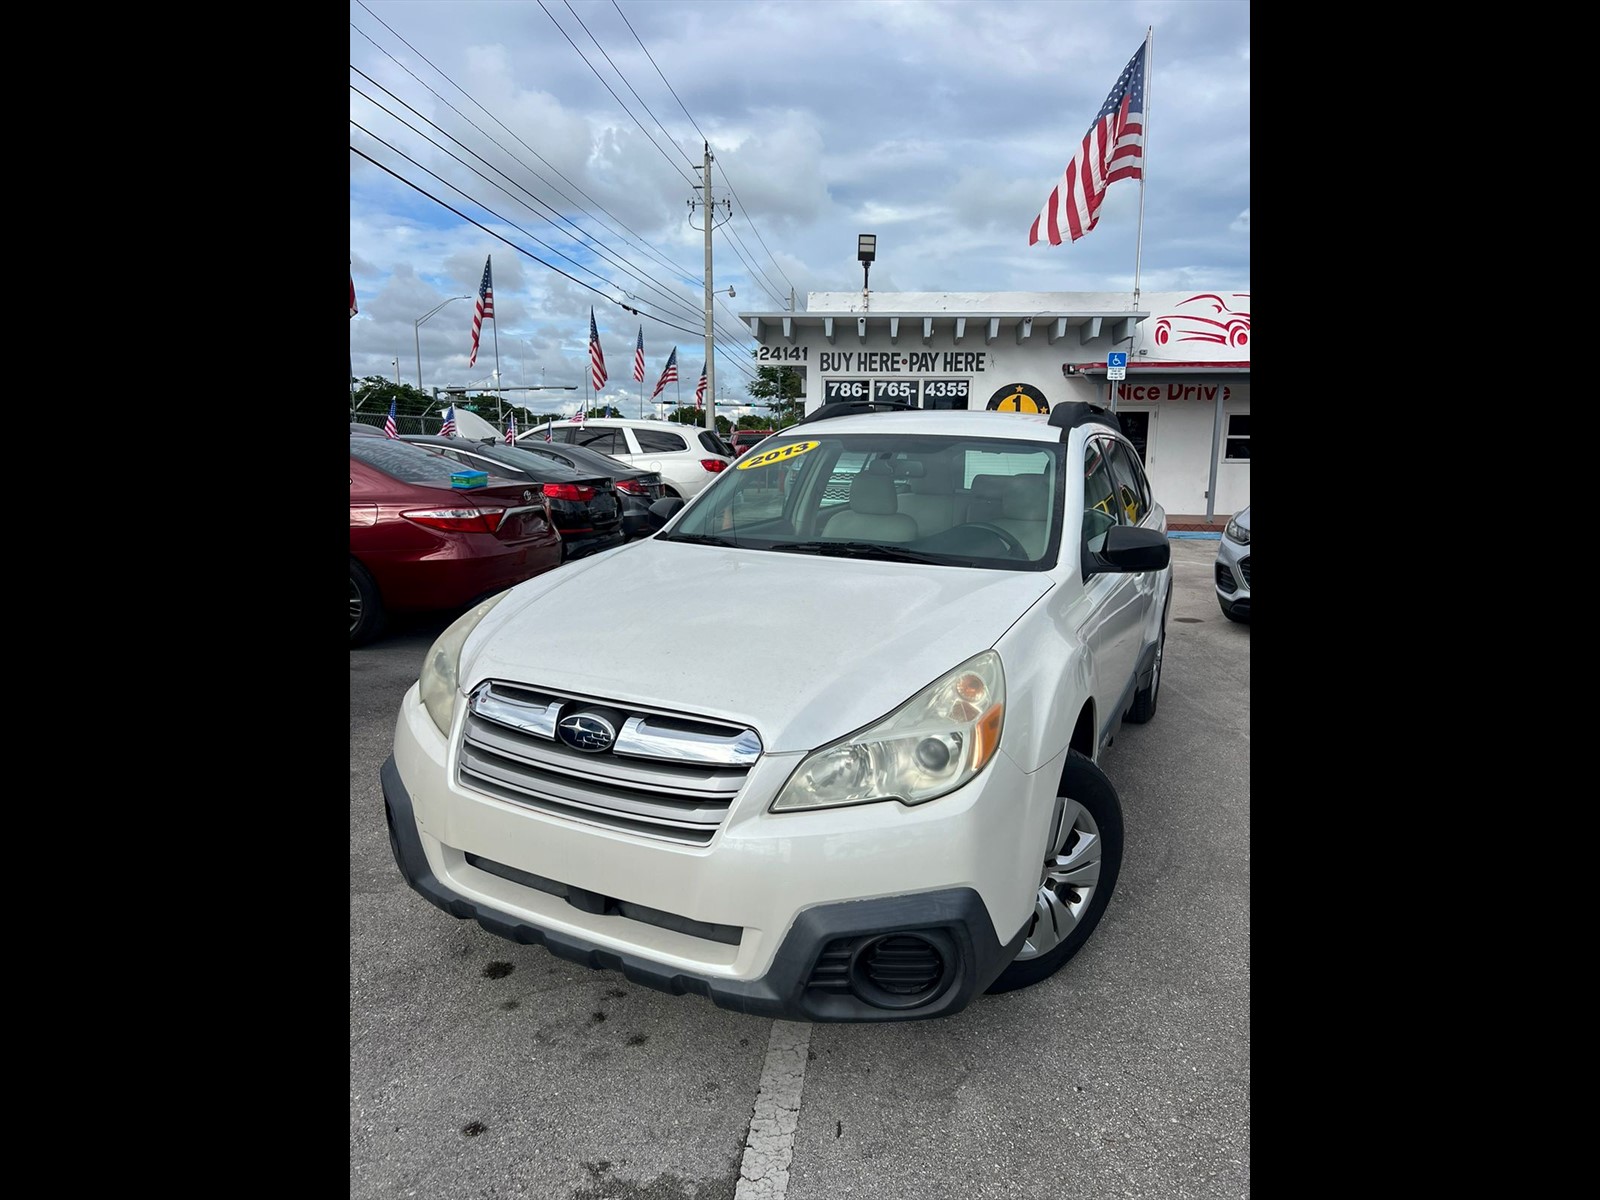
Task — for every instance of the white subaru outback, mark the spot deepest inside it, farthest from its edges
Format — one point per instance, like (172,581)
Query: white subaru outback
(894,807)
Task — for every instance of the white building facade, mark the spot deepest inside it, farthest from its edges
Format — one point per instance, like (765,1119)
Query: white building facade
(1184,401)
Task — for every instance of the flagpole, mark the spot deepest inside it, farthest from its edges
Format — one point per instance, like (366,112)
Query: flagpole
(1144,169)
(500,403)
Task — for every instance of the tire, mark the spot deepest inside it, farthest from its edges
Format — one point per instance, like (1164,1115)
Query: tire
(366,608)
(1084,860)
(1144,700)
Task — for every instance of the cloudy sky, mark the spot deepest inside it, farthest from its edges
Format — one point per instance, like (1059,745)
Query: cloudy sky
(565,140)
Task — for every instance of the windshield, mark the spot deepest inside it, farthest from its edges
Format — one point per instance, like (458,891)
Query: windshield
(946,500)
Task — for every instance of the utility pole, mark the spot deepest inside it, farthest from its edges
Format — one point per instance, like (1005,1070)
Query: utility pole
(710,206)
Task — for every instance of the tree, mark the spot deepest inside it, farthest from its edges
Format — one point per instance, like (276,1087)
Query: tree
(784,389)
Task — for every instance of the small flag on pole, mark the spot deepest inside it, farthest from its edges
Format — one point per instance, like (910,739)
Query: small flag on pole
(484,311)
(388,426)
(547,428)
(638,358)
(353,308)
(597,359)
(511,429)
(448,429)
(669,374)
(1113,149)
(577,417)
(700,390)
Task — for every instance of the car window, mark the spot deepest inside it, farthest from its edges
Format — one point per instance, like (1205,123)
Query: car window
(1101,506)
(1133,490)
(403,461)
(606,441)
(659,441)
(715,444)
(851,495)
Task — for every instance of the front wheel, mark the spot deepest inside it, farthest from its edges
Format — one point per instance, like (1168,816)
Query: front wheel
(1082,859)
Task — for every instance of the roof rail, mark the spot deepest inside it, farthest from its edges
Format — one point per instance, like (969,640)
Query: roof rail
(852,408)
(1067,417)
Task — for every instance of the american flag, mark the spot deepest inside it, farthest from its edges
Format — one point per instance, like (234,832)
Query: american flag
(547,429)
(448,429)
(700,389)
(484,311)
(511,429)
(1113,149)
(577,417)
(353,309)
(388,426)
(597,359)
(669,373)
(638,358)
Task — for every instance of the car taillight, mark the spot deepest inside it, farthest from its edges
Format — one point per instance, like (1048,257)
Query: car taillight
(632,486)
(712,464)
(569,491)
(457,520)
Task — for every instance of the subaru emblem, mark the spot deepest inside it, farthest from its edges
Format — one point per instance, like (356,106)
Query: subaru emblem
(587,731)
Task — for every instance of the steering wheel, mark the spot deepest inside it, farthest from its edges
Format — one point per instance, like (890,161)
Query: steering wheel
(1013,547)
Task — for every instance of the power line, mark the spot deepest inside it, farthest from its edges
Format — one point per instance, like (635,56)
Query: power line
(624,79)
(683,304)
(703,138)
(721,339)
(616,97)
(640,241)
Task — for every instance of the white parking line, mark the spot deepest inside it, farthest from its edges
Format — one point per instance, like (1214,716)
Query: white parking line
(764,1169)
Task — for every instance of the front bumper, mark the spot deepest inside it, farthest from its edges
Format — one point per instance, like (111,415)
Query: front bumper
(780,915)
(1232,570)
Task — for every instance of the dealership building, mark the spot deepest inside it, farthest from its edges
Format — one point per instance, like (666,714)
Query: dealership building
(1184,399)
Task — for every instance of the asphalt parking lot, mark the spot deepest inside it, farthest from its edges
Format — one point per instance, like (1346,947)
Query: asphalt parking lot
(479,1067)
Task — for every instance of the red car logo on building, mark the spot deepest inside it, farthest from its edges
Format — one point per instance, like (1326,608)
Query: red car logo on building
(1227,327)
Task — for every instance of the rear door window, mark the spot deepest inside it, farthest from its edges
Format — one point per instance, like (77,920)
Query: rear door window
(658,441)
(607,441)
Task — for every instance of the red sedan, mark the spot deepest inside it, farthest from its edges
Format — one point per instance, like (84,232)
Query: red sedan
(419,543)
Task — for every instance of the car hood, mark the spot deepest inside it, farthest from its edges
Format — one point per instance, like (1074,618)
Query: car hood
(844,641)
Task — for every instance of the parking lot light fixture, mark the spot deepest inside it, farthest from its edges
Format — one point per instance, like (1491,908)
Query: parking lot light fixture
(416,333)
(867,252)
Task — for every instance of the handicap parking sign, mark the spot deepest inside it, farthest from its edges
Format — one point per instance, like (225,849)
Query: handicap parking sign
(1117,364)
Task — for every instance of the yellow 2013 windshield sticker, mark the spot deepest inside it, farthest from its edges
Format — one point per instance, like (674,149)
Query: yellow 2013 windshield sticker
(781,454)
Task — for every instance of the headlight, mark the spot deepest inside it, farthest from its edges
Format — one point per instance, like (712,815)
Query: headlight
(1236,532)
(930,745)
(437,683)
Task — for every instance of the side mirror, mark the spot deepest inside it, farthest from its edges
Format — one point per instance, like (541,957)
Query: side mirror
(666,508)
(1129,549)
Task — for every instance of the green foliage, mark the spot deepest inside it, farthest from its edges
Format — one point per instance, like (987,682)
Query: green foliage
(777,383)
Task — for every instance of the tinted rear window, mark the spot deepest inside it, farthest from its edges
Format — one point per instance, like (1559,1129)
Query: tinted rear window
(403,461)
(656,441)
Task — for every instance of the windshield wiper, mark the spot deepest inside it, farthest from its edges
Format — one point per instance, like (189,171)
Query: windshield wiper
(700,539)
(860,550)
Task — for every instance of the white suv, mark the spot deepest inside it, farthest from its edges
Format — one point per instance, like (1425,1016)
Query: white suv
(688,456)
(895,807)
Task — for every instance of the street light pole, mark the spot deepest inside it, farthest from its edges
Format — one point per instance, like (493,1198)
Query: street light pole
(416,334)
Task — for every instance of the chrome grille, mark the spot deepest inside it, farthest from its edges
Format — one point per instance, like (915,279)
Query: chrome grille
(664,776)
(1244,569)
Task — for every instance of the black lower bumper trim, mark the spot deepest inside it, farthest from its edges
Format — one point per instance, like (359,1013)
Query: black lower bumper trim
(957,913)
